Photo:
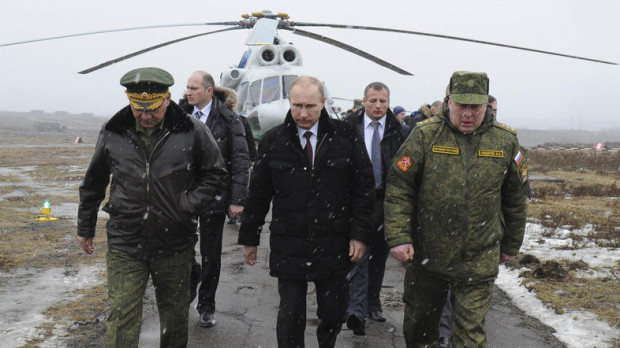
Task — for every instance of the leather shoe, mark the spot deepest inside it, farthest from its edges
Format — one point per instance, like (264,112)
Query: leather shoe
(207,319)
(377,316)
(357,324)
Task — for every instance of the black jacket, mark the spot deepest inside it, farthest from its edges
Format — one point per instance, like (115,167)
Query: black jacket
(315,211)
(229,133)
(393,136)
(154,198)
(249,137)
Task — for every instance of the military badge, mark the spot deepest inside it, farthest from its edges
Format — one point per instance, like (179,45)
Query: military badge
(404,163)
(523,173)
(491,153)
(518,158)
(447,150)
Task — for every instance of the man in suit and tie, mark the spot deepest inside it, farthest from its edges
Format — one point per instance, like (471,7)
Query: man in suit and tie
(215,106)
(315,172)
(383,134)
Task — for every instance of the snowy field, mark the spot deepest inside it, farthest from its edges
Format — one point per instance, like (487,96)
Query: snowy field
(577,329)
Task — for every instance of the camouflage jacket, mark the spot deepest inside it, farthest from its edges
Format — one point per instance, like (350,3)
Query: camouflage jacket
(446,194)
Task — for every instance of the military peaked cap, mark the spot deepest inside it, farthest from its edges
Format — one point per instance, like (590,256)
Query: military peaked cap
(469,87)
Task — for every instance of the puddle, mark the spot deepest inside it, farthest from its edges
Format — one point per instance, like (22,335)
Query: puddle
(26,293)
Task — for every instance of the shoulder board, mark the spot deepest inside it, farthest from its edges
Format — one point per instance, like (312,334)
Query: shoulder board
(428,121)
(505,127)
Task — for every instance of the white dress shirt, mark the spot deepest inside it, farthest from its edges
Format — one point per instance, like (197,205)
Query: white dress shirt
(205,112)
(313,139)
(369,130)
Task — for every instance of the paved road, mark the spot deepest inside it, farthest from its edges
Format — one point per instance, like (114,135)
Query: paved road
(247,302)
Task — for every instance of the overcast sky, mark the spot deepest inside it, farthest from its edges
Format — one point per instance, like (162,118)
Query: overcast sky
(534,91)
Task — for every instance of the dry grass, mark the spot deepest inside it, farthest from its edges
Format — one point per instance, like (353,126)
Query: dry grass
(83,321)
(593,295)
(52,162)
(556,284)
(602,162)
(589,193)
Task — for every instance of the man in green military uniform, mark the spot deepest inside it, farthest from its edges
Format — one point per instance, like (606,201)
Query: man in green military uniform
(446,189)
(166,168)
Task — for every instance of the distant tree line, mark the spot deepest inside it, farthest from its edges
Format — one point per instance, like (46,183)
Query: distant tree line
(48,126)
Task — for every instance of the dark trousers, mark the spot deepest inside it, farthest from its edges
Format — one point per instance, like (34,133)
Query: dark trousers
(366,278)
(127,280)
(211,232)
(445,324)
(425,297)
(332,298)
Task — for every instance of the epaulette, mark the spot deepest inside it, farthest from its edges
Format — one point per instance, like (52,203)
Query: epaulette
(505,127)
(429,120)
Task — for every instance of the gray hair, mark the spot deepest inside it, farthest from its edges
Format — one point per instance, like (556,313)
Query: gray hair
(312,80)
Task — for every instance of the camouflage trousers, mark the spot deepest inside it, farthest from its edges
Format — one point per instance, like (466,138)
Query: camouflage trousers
(424,299)
(127,280)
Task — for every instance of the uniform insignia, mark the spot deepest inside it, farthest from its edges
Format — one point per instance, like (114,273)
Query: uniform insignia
(404,163)
(523,173)
(507,127)
(447,150)
(423,122)
(491,153)
(518,158)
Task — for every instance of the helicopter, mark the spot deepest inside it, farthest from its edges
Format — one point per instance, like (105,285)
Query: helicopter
(267,67)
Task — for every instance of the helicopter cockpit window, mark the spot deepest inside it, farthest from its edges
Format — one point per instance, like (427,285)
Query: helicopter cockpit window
(286,84)
(254,94)
(243,97)
(271,89)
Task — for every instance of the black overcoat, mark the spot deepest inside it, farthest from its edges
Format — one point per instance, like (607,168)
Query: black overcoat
(229,133)
(316,211)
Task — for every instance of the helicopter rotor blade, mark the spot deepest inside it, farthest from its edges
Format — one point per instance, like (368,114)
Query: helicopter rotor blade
(341,26)
(349,48)
(116,30)
(120,59)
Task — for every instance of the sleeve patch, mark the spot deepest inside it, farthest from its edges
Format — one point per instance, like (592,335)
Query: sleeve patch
(404,163)
(523,173)
(518,158)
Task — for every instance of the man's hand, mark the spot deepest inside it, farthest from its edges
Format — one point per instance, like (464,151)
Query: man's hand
(356,250)
(249,254)
(87,244)
(403,252)
(234,211)
(505,258)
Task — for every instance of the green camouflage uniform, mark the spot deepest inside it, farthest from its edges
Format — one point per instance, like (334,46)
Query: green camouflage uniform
(446,192)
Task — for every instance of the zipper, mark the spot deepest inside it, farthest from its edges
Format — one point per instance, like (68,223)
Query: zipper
(467,198)
(147,169)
